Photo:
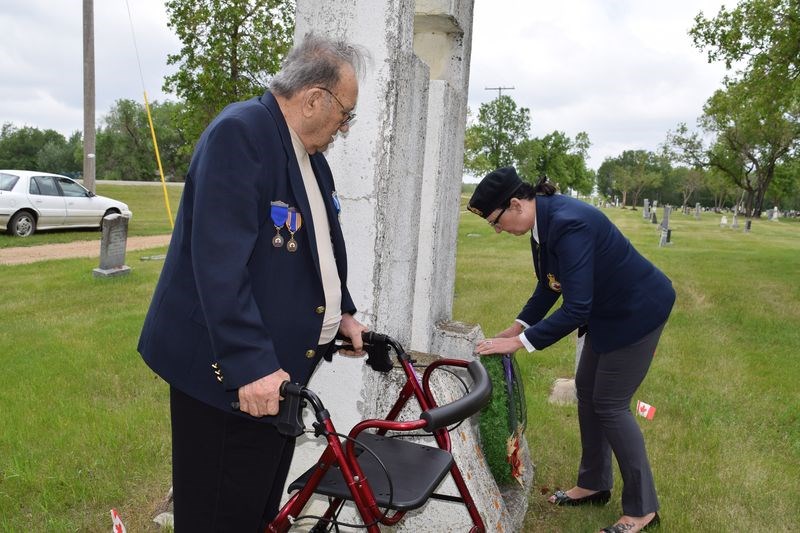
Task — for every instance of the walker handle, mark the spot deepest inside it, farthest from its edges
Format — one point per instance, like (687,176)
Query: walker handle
(466,406)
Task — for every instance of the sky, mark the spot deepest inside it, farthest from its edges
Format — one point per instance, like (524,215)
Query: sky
(623,71)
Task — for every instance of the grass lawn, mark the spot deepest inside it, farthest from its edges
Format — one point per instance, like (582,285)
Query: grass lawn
(85,423)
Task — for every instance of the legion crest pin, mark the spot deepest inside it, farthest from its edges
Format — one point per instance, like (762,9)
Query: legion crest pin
(553,283)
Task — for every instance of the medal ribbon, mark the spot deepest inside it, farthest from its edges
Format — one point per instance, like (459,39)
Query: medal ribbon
(278,213)
(294,221)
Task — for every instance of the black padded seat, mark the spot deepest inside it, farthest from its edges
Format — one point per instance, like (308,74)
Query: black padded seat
(415,469)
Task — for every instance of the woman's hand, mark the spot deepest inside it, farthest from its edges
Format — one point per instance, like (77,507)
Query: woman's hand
(498,346)
(512,331)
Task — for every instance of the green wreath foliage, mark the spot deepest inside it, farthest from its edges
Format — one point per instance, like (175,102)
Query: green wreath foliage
(494,423)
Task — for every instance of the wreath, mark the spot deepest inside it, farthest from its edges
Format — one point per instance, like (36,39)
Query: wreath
(503,420)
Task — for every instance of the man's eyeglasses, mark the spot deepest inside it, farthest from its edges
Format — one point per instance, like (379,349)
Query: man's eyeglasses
(493,223)
(348,115)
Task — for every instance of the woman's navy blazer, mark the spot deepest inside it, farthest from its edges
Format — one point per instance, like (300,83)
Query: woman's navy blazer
(230,307)
(605,283)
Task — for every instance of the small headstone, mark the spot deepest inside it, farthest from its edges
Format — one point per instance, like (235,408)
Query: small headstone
(653,218)
(747,224)
(723,222)
(646,210)
(665,237)
(775,214)
(655,204)
(697,211)
(112,247)
(735,223)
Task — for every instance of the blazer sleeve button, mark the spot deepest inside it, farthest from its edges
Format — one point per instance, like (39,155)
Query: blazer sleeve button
(310,353)
(320,309)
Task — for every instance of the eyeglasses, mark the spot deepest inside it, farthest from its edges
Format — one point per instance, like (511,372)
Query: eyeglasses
(348,115)
(493,223)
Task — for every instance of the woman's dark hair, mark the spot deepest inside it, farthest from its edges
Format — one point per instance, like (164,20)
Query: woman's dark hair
(526,191)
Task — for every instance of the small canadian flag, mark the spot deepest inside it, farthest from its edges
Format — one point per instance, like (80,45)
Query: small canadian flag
(116,522)
(645,409)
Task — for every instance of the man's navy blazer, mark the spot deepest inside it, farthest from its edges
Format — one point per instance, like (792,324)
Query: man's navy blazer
(605,283)
(230,307)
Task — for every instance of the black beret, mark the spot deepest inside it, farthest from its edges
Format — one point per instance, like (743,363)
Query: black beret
(494,190)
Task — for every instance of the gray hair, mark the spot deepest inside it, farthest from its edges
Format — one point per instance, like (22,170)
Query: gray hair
(317,61)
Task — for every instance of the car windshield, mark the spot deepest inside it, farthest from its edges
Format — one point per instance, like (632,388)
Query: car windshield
(7,181)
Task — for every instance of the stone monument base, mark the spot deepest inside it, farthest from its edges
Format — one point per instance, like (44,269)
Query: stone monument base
(109,272)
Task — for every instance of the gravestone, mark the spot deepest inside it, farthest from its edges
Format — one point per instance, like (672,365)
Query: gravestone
(697,211)
(723,222)
(665,220)
(653,218)
(646,210)
(655,204)
(735,223)
(666,234)
(775,214)
(112,247)
(747,224)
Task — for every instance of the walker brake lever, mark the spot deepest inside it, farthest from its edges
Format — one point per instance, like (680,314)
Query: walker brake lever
(290,413)
(290,410)
(377,349)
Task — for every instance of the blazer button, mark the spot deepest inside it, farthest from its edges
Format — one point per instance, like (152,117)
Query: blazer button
(310,353)
(320,309)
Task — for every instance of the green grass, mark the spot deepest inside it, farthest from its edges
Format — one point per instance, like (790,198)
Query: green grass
(85,424)
(145,201)
(725,441)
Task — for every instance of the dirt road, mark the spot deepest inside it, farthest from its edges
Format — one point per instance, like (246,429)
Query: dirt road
(32,254)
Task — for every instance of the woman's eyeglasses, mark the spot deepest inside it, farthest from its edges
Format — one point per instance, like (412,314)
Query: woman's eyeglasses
(493,223)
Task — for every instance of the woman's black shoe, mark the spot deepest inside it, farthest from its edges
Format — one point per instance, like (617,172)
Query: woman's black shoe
(598,498)
(621,528)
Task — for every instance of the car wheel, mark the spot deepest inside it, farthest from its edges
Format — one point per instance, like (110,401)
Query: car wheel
(109,212)
(22,224)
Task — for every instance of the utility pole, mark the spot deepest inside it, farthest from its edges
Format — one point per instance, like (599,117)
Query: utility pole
(499,90)
(89,134)
(496,155)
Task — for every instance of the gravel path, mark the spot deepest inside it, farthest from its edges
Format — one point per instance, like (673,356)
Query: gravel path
(44,252)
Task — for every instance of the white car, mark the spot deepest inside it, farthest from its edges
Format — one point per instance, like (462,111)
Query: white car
(31,200)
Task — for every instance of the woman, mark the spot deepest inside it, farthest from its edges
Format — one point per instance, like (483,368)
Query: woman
(613,296)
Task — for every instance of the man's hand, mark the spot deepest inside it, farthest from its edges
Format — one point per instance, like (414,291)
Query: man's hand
(352,329)
(262,397)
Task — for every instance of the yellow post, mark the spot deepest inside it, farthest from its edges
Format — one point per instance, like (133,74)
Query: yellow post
(158,159)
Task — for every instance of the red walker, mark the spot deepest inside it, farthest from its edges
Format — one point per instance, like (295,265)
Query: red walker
(374,470)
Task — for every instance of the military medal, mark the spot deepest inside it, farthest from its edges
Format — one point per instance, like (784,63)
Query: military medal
(553,283)
(294,221)
(336,203)
(278,213)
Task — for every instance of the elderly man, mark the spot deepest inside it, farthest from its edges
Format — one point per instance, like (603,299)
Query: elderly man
(254,287)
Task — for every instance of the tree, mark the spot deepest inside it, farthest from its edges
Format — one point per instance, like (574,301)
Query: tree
(690,181)
(756,118)
(491,143)
(562,159)
(631,172)
(125,144)
(62,156)
(34,149)
(230,50)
